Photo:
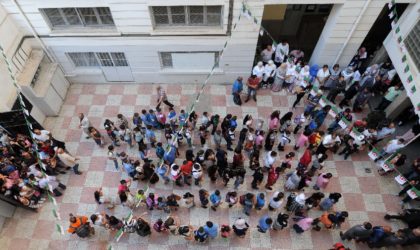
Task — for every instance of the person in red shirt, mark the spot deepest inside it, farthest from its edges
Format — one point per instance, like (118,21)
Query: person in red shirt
(273,176)
(252,84)
(124,186)
(186,170)
(306,159)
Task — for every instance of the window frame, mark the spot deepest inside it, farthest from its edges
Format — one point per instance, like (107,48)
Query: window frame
(187,14)
(112,57)
(410,43)
(80,17)
(216,57)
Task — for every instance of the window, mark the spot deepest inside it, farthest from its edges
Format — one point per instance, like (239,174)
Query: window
(79,17)
(189,60)
(84,59)
(187,15)
(104,59)
(412,43)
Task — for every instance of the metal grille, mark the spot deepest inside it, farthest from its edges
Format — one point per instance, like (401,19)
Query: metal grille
(105,16)
(119,59)
(412,43)
(187,15)
(79,17)
(105,59)
(166,59)
(55,17)
(70,14)
(83,59)
(88,15)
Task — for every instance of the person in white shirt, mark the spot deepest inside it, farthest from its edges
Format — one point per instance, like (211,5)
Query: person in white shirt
(303,77)
(269,73)
(290,78)
(84,124)
(329,142)
(282,51)
(269,160)
(258,70)
(267,54)
(321,76)
(347,73)
(42,135)
(68,160)
(276,201)
(390,148)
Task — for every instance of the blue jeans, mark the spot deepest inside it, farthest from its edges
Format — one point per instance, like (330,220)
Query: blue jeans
(115,163)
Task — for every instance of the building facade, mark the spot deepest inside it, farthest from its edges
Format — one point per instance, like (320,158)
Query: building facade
(158,41)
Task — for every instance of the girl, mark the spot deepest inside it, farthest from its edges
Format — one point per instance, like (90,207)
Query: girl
(281,221)
(125,134)
(225,231)
(258,177)
(272,178)
(143,153)
(270,140)
(259,140)
(188,200)
(176,175)
(231,198)
(97,137)
(286,121)
(322,181)
(284,140)
(203,195)
(112,131)
(287,162)
(303,140)
(273,124)
(197,173)
(300,120)
(138,136)
(151,201)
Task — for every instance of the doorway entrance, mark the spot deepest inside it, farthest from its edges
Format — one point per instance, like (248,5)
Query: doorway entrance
(299,24)
(115,67)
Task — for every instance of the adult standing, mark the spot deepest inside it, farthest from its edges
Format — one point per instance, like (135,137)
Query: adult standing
(280,76)
(237,89)
(258,70)
(267,54)
(252,84)
(282,50)
(162,97)
(269,73)
(84,124)
(390,96)
(240,227)
(357,232)
(68,160)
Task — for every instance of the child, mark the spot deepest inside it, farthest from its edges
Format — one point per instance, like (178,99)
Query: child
(188,135)
(287,162)
(205,120)
(231,198)
(259,140)
(140,197)
(168,132)
(200,235)
(284,140)
(260,201)
(272,178)
(172,118)
(300,120)
(197,173)
(159,150)
(158,226)
(150,136)
(113,156)
(163,171)
(162,205)
(217,138)
(176,175)
(151,201)
(317,164)
(270,140)
(203,195)
(281,221)
(215,199)
(225,231)
(203,135)
(182,118)
(188,199)
(322,181)
(303,140)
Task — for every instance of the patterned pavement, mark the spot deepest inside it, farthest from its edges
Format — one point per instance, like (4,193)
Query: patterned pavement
(366,196)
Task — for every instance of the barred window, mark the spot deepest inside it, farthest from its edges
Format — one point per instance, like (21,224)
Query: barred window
(78,17)
(92,59)
(83,59)
(189,59)
(412,43)
(187,15)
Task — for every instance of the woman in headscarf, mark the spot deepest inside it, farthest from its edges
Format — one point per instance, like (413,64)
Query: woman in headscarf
(279,78)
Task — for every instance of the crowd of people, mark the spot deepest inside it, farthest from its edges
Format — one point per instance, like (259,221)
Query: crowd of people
(256,148)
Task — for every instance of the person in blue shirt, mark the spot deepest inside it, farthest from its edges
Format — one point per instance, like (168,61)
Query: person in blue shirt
(264,224)
(182,118)
(215,199)
(150,135)
(211,229)
(172,118)
(233,123)
(321,115)
(200,235)
(159,150)
(129,168)
(237,86)
(170,155)
(152,119)
(144,118)
(260,201)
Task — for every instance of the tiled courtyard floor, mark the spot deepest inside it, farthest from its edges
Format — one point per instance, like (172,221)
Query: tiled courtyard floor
(366,196)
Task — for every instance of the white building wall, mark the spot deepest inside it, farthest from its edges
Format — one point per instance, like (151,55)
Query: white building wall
(406,24)
(134,35)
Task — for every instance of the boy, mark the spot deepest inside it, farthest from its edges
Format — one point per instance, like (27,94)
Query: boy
(113,156)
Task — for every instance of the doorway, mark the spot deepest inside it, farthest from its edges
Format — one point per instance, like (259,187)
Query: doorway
(300,24)
(115,67)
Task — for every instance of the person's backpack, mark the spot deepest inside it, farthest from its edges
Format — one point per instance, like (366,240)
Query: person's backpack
(83,231)
(143,229)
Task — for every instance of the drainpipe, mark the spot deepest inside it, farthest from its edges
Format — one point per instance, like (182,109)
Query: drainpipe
(352,31)
(35,34)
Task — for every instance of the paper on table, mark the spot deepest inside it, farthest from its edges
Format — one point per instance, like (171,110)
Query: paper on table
(400,179)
